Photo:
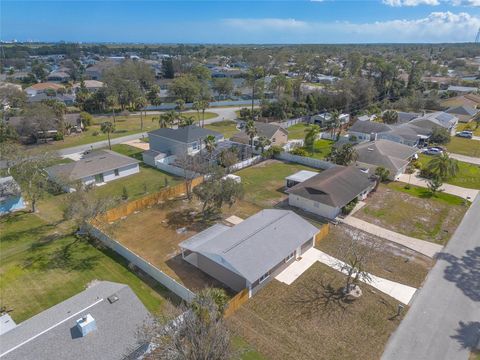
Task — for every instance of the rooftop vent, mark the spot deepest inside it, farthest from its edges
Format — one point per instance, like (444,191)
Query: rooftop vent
(113,298)
(86,324)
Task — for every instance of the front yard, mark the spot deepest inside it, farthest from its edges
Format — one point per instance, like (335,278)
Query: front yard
(462,146)
(264,183)
(308,320)
(413,213)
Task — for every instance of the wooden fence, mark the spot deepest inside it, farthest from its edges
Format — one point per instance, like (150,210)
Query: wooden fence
(324,230)
(235,303)
(146,201)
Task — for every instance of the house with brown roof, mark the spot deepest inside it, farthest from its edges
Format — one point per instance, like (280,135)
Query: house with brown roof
(275,133)
(328,192)
(42,88)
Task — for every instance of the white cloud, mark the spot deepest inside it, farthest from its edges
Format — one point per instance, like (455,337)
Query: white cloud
(466,2)
(411,2)
(436,27)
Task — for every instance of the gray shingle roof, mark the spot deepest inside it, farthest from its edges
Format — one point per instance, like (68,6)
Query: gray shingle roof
(334,187)
(52,334)
(462,110)
(256,245)
(368,127)
(186,134)
(389,154)
(429,121)
(92,164)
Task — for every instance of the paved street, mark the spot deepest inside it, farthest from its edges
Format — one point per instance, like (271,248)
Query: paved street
(414,179)
(468,159)
(444,320)
(421,246)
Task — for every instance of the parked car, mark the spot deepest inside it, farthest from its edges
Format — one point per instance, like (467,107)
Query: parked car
(465,134)
(433,151)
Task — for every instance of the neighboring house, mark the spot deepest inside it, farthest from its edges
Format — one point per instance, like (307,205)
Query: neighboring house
(366,117)
(437,119)
(464,113)
(390,155)
(183,140)
(407,134)
(58,76)
(30,131)
(325,119)
(10,196)
(101,322)
(98,167)
(405,117)
(90,85)
(299,177)
(250,254)
(73,123)
(367,130)
(275,133)
(94,72)
(67,99)
(328,192)
(462,89)
(42,88)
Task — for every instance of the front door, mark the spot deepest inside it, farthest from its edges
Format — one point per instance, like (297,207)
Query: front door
(99,178)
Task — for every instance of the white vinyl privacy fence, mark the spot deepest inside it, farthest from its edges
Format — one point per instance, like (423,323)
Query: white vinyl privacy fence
(307,161)
(171,284)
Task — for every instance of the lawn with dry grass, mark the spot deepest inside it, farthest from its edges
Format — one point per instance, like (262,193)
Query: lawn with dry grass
(389,260)
(309,320)
(428,219)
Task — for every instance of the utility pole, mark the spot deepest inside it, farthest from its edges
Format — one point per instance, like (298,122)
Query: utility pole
(477,38)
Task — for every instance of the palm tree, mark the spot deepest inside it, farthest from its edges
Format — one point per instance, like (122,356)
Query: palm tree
(186,120)
(197,106)
(390,117)
(167,119)
(262,143)
(107,128)
(111,103)
(335,119)
(251,131)
(210,144)
(180,105)
(140,103)
(443,166)
(253,75)
(204,104)
(311,134)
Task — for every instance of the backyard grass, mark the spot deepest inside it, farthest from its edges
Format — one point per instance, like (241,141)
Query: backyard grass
(308,320)
(297,131)
(264,183)
(428,219)
(124,125)
(470,126)
(41,267)
(468,175)
(468,147)
(388,261)
(227,128)
(321,149)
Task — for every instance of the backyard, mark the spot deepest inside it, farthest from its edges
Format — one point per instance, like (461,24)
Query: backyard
(264,183)
(414,212)
(227,128)
(297,131)
(308,320)
(468,175)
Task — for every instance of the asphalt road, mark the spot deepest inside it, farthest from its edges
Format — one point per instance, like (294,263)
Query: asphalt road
(444,320)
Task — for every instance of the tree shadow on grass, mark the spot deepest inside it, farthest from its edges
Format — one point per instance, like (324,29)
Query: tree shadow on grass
(190,218)
(31,232)
(468,335)
(464,272)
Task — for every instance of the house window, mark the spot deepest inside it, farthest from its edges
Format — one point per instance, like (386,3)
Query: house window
(195,146)
(264,277)
(274,140)
(289,257)
(117,173)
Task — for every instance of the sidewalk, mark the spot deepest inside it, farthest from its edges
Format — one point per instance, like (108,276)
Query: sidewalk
(397,291)
(447,188)
(467,159)
(423,247)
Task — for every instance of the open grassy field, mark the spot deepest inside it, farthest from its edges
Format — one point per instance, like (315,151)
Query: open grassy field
(264,183)
(389,260)
(42,265)
(425,218)
(308,320)
(124,125)
(468,147)
(468,175)
(227,128)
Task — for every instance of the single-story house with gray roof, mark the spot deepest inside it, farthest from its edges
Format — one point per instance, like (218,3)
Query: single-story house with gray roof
(464,113)
(328,192)
(101,322)
(367,130)
(390,155)
(252,252)
(98,167)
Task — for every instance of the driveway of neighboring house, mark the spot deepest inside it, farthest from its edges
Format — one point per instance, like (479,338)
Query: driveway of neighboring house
(138,144)
(423,247)
(467,159)
(464,193)
(397,291)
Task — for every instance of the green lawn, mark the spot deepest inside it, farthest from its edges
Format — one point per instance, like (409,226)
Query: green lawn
(264,183)
(227,128)
(423,193)
(468,175)
(321,149)
(297,131)
(124,125)
(463,146)
(42,266)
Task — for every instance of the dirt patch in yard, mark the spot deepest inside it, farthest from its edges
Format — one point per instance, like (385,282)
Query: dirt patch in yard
(307,320)
(389,260)
(422,218)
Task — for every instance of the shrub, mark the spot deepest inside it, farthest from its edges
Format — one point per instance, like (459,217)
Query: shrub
(299,152)
(382,173)
(347,209)
(58,136)
(124,193)
(96,133)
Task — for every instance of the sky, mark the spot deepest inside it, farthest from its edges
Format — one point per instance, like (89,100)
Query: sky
(247,22)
